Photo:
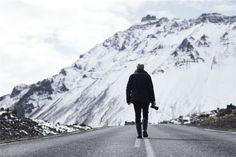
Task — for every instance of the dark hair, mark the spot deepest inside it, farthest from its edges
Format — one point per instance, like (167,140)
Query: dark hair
(140,67)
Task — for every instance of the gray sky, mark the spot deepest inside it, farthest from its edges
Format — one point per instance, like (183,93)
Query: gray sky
(39,37)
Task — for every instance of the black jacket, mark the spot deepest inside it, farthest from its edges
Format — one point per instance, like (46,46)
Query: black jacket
(140,88)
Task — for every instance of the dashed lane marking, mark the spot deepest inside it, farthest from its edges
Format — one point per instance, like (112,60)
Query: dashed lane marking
(149,150)
(137,143)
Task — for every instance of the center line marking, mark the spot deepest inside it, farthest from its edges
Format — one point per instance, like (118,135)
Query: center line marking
(137,143)
(149,150)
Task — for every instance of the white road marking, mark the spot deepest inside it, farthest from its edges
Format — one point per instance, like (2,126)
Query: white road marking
(149,150)
(220,131)
(137,143)
(216,130)
(210,130)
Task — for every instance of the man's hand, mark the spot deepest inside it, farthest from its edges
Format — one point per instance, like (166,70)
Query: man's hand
(154,106)
(154,103)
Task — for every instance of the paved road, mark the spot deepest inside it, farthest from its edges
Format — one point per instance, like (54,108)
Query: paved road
(163,141)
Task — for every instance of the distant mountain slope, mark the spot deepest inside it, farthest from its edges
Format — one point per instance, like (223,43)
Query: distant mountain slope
(192,64)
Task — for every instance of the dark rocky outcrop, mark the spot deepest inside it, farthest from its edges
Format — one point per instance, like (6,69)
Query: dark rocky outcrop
(220,118)
(12,128)
(175,24)
(151,36)
(224,36)
(202,42)
(112,42)
(63,72)
(17,90)
(123,47)
(117,43)
(160,21)
(148,18)
(81,56)
(2,97)
(186,53)
(77,66)
(215,18)
(41,88)
(224,118)
(63,88)
(186,46)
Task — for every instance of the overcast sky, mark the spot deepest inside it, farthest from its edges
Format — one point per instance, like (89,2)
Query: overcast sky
(39,37)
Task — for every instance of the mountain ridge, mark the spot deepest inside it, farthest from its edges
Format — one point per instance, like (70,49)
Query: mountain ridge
(174,51)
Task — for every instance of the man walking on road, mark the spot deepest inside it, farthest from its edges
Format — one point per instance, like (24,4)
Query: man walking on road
(139,91)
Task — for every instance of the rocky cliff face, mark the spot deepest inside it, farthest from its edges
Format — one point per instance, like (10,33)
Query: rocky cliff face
(192,64)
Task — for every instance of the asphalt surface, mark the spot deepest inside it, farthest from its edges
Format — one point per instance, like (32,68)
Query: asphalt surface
(163,141)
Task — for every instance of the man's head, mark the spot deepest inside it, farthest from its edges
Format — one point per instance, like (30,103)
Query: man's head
(140,67)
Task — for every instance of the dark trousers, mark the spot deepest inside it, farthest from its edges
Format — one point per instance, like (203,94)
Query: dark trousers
(138,108)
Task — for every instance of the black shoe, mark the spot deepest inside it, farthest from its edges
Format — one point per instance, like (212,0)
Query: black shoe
(155,107)
(145,134)
(139,136)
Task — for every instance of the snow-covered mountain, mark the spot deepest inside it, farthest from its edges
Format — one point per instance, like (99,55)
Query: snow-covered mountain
(192,63)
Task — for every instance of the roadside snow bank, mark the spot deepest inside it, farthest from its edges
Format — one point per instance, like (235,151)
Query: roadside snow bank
(13,128)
